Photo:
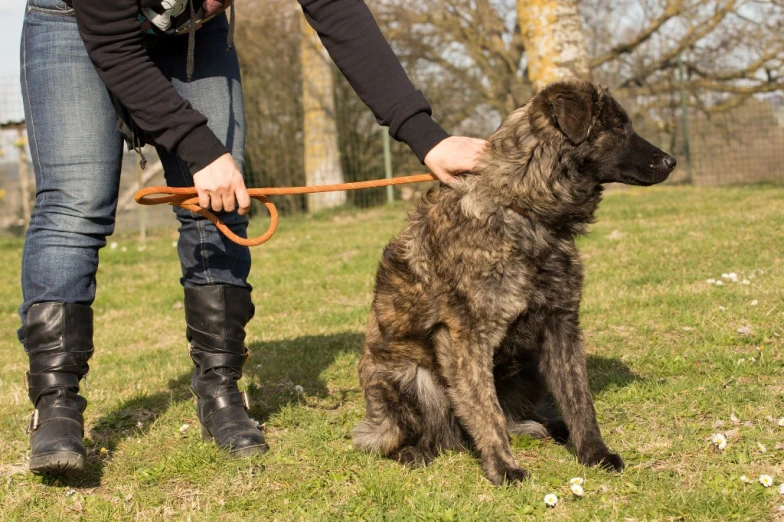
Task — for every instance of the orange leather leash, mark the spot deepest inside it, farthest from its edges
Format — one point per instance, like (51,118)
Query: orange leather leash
(186,198)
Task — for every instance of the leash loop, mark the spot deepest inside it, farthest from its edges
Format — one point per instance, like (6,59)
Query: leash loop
(185,197)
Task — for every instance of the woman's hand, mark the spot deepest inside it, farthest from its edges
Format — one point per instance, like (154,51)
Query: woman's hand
(220,184)
(454,154)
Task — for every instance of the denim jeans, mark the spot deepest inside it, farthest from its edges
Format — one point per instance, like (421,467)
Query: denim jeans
(76,152)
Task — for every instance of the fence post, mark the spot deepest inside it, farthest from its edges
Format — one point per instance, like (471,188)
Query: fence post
(685,122)
(388,163)
(140,209)
(24,178)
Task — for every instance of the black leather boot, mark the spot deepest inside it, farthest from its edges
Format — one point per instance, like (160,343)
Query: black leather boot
(59,344)
(216,316)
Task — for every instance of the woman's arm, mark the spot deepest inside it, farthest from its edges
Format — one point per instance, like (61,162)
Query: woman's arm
(363,55)
(113,39)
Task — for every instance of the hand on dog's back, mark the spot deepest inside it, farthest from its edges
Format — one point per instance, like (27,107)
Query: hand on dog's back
(455,154)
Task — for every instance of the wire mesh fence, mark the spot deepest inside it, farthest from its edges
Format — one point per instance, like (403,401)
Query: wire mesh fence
(305,125)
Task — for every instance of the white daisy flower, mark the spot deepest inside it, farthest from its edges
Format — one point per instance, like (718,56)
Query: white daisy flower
(722,308)
(747,480)
(184,428)
(711,281)
(550,499)
(299,389)
(174,244)
(725,276)
(766,480)
(781,422)
(781,489)
(746,282)
(719,283)
(70,492)
(719,440)
(576,480)
(577,489)
(113,245)
(754,303)
(762,447)
(744,330)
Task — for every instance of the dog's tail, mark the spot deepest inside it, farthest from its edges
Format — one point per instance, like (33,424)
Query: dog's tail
(528,427)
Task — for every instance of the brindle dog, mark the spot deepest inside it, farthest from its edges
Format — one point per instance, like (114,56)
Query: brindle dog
(476,309)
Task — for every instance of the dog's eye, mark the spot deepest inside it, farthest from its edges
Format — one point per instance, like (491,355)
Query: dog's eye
(620,128)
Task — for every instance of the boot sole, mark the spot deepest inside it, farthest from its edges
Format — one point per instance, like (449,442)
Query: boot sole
(240,452)
(249,451)
(60,462)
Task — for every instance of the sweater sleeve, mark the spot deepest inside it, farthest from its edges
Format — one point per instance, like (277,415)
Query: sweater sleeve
(112,37)
(355,43)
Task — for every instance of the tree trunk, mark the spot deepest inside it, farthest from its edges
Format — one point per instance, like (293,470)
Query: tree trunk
(554,41)
(322,157)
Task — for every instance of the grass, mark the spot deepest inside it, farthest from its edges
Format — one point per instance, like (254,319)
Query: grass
(664,364)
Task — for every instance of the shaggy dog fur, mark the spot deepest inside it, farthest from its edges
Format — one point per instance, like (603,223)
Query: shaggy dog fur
(476,309)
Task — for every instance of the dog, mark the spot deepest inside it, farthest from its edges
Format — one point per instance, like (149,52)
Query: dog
(475,317)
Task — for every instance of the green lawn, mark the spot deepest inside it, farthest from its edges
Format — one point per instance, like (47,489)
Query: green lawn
(667,366)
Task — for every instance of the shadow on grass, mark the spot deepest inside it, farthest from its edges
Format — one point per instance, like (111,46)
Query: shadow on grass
(608,372)
(276,368)
(130,418)
(270,376)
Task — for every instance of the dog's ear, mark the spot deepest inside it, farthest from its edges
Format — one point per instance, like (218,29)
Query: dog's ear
(569,107)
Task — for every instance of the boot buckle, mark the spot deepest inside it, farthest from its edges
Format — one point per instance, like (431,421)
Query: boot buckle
(247,354)
(33,422)
(27,381)
(245,401)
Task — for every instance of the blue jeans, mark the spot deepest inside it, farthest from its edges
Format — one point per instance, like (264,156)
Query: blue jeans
(76,152)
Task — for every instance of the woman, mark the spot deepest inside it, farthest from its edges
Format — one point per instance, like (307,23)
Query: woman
(89,64)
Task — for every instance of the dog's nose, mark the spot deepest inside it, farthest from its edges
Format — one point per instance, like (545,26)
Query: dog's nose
(670,162)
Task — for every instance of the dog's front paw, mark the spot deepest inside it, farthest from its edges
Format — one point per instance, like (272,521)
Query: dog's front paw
(605,460)
(507,475)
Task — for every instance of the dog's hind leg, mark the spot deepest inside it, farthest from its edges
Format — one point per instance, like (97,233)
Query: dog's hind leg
(390,421)
(408,416)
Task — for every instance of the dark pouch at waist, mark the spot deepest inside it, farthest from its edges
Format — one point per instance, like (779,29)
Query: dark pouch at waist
(177,16)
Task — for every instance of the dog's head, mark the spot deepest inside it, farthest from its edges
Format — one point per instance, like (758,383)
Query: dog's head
(551,157)
(594,123)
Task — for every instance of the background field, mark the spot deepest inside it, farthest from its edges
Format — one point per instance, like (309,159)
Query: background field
(668,369)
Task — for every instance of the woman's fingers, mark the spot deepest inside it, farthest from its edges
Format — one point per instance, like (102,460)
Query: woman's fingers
(216,202)
(454,155)
(243,199)
(204,199)
(228,201)
(444,176)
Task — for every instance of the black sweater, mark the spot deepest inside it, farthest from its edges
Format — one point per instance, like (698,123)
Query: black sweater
(112,35)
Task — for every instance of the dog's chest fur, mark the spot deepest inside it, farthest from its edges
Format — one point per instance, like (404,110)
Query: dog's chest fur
(450,268)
